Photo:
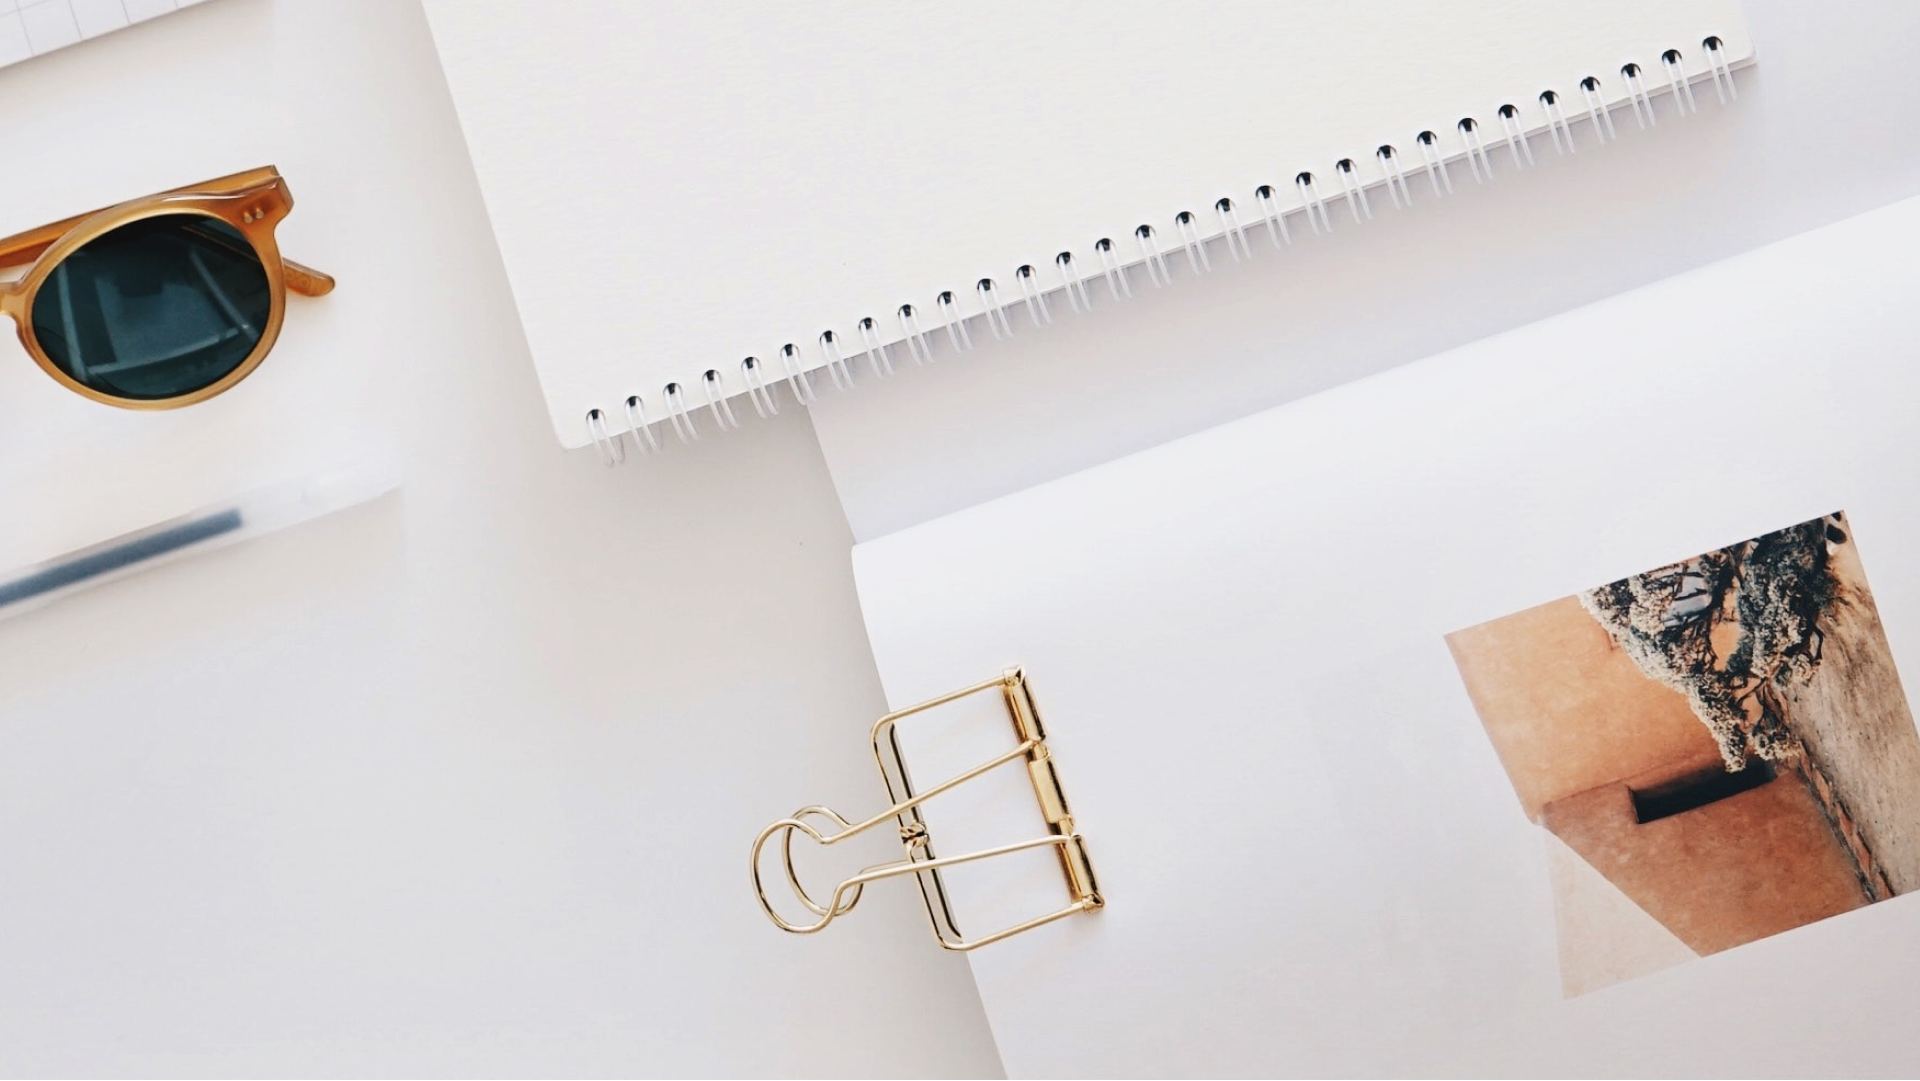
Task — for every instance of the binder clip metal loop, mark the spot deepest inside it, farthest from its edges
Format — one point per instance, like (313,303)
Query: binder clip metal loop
(827,827)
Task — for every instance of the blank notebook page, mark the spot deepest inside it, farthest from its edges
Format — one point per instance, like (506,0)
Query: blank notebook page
(1313,859)
(676,188)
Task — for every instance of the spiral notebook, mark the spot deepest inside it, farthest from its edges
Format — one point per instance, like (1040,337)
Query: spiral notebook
(709,212)
(1394,733)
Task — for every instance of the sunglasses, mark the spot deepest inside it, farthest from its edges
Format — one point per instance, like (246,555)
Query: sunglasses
(159,302)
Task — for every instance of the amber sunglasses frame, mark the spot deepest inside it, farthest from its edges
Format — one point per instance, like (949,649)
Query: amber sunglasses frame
(253,202)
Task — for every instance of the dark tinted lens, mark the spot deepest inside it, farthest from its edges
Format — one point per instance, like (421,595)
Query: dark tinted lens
(154,309)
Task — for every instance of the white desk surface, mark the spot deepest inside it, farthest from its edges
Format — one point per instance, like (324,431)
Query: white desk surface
(460,782)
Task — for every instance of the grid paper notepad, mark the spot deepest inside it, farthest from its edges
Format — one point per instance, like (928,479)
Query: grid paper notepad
(30,28)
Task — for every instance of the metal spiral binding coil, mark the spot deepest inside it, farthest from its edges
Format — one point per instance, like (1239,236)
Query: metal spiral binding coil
(1392,170)
(1230,227)
(1355,192)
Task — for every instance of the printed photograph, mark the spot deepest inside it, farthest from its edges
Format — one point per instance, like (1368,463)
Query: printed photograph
(1715,751)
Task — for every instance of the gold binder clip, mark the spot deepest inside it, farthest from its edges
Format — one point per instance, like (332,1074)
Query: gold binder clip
(1082,891)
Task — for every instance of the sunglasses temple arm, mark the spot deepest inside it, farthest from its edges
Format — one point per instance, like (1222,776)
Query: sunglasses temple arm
(305,280)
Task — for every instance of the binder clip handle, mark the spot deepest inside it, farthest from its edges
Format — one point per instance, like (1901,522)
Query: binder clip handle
(845,895)
(1030,750)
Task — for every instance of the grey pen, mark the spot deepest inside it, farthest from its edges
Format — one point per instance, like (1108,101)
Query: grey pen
(260,511)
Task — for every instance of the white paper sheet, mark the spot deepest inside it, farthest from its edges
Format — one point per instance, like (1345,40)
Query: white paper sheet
(1312,858)
(676,189)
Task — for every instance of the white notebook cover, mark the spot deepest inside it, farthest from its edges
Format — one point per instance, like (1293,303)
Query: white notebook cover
(1312,857)
(675,189)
